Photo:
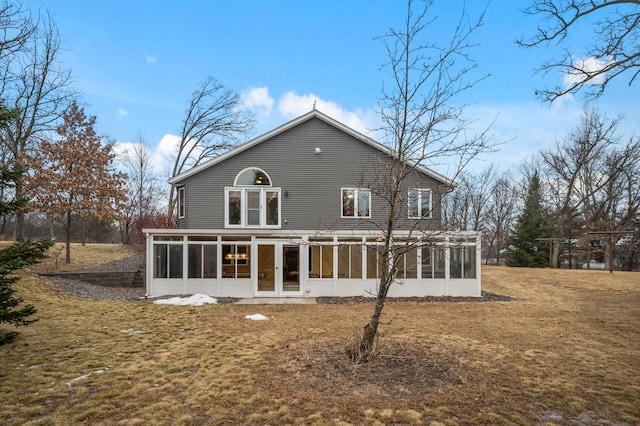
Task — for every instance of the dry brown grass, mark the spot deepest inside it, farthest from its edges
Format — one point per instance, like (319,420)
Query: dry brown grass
(566,351)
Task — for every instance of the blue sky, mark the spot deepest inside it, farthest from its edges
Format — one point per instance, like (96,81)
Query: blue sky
(137,63)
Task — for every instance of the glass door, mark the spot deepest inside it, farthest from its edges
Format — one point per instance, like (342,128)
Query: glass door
(267,271)
(278,270)
(290,269)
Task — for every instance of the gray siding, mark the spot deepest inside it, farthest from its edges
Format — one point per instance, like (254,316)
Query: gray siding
(311,181)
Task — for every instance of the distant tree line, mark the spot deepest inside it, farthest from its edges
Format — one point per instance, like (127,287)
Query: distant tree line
(559,207)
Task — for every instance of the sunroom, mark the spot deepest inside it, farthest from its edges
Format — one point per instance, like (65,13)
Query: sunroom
(260,263)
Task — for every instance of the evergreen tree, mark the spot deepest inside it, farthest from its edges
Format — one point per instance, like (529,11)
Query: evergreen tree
(17,256)
(531,226)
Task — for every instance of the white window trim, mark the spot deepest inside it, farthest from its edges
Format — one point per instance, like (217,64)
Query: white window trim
(355,206)
(420,191)
(182,208)
(243,211)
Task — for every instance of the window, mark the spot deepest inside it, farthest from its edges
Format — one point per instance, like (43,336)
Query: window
(463,262)
(181,206)
(350,261)
(252,177)
(433,262)
(252,208)
(374,261)
(406,262)
(321,260)
(203,261)
(236,261)
(356,202)
(249,205)
(419,203)
(167,261)
(234,215)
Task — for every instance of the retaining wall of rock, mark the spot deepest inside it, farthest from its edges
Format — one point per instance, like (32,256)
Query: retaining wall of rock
(107,279)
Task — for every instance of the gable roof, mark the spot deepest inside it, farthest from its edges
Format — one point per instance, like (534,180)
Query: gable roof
(293,123)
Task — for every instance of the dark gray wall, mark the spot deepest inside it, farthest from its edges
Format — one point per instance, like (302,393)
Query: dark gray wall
(312,181)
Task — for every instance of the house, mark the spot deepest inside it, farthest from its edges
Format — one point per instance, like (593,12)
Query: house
(294,212)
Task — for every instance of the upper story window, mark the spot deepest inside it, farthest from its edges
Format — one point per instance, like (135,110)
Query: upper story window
(419,203)
(356,202)
(252,202)
(251,177)
(181,205)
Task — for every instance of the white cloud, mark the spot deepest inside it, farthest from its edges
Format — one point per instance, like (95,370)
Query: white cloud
(150,59)
(589,64)
(257,99)
(166,151)
(161,154)
(122,149)
(292,105)
(168,145)
(122,112)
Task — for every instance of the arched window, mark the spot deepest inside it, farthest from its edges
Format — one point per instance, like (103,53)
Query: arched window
(252,176)
(248,204)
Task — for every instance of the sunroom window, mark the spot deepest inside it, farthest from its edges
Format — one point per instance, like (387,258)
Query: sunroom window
(252,202)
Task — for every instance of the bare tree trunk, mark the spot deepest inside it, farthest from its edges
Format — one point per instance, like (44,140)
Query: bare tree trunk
(19,230)
(366,349)
(555,254)
(84,229)
(67,240)
(52,231)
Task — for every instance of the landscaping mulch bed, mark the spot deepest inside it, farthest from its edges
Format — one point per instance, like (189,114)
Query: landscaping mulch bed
(486,297)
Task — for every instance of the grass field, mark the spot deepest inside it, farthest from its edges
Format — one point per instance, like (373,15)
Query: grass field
(567,351)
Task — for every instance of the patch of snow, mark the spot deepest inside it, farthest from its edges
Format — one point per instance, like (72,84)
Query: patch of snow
(194,300)
(131,331)
(86,376)
(256,317)
(72,381)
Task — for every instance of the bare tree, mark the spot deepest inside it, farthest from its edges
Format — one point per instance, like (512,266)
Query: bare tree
(570,167)
(480,185)
(213,123)
(33,83)
(610,193)
(16,27)
(143,189)
(424,125)
(500,216)
(456,211)
(613,51)
(466,208)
